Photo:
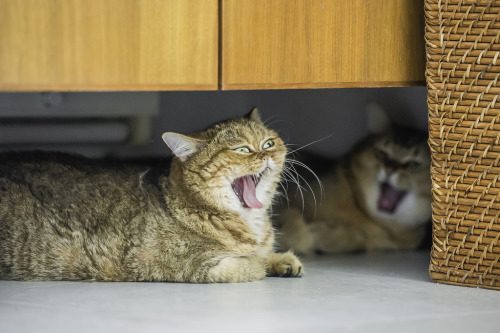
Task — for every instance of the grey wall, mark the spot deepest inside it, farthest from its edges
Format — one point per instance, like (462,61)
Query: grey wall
(336,117)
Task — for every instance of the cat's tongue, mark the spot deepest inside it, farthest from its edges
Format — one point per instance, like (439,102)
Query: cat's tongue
(250,193)
(389,197)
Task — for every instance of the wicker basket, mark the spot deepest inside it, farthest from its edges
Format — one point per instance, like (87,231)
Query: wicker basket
(463,73)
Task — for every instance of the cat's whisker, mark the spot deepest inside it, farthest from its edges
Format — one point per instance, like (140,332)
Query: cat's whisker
(290,177)
(292,154)
(290,171)
(277,121)
(293,174)
(322,190)
(284,184)
(285,189)
(308,186)
(270,118)
(295,162)
(311,143)
(304,188)
(270,121)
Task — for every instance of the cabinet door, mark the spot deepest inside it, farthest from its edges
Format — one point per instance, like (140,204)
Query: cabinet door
(108,45)
(322,43)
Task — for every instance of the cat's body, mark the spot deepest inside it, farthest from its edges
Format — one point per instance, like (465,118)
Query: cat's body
(68,218)
(375,198)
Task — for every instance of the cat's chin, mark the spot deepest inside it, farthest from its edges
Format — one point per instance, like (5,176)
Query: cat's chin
(245,189)
(389,198)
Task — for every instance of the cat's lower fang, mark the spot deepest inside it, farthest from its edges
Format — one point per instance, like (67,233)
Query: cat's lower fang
(389,198)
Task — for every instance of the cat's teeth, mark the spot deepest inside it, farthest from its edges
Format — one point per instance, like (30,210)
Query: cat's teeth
(245,188)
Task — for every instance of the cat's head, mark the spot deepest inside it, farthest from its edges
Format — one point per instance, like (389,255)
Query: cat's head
(234,164)
(392,170)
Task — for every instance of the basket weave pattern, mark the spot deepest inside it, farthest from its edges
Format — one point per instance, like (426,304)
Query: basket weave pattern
(463,73)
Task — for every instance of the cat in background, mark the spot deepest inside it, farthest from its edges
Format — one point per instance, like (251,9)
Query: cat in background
(64,217)
(377,197)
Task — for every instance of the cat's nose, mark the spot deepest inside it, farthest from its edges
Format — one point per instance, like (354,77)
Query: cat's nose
(269,163)
(389,171)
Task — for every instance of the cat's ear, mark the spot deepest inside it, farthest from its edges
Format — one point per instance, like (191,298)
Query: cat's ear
(182,146)
(254,115)
(378,121)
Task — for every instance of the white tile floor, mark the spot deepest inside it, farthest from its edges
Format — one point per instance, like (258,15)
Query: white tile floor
(388,292)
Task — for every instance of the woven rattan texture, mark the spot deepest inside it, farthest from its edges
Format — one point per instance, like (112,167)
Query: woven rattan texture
(463,71)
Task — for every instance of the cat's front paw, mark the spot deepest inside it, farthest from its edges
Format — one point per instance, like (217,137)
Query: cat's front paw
(237,269)
(284,265)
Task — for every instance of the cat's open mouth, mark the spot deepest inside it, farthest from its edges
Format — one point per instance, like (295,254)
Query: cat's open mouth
(389,198)
(246,189)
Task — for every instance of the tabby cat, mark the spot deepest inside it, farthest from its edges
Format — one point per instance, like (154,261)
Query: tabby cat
(64,217)
(375,198)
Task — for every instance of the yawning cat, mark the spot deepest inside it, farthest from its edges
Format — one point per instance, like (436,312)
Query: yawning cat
(377,197)
(64,217)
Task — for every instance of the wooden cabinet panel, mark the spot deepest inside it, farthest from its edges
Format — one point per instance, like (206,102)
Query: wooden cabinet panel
(322,43)
(108,45)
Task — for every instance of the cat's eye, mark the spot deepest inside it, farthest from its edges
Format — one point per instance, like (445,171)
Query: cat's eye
(381,155)
(268,144)
(411,164)
(245,150)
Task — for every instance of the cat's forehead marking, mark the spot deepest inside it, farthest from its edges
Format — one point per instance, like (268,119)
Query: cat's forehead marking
(402,138)
(243,131)
(408,137)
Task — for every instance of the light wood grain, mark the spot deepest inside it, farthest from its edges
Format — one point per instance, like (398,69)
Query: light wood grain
(321,43)
(108,45)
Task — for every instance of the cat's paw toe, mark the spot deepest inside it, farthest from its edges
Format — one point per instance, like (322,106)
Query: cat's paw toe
(291,271)
(285,265)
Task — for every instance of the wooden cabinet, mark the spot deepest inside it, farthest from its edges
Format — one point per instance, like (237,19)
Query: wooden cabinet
(71,45)
(322,43)
(108,45)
